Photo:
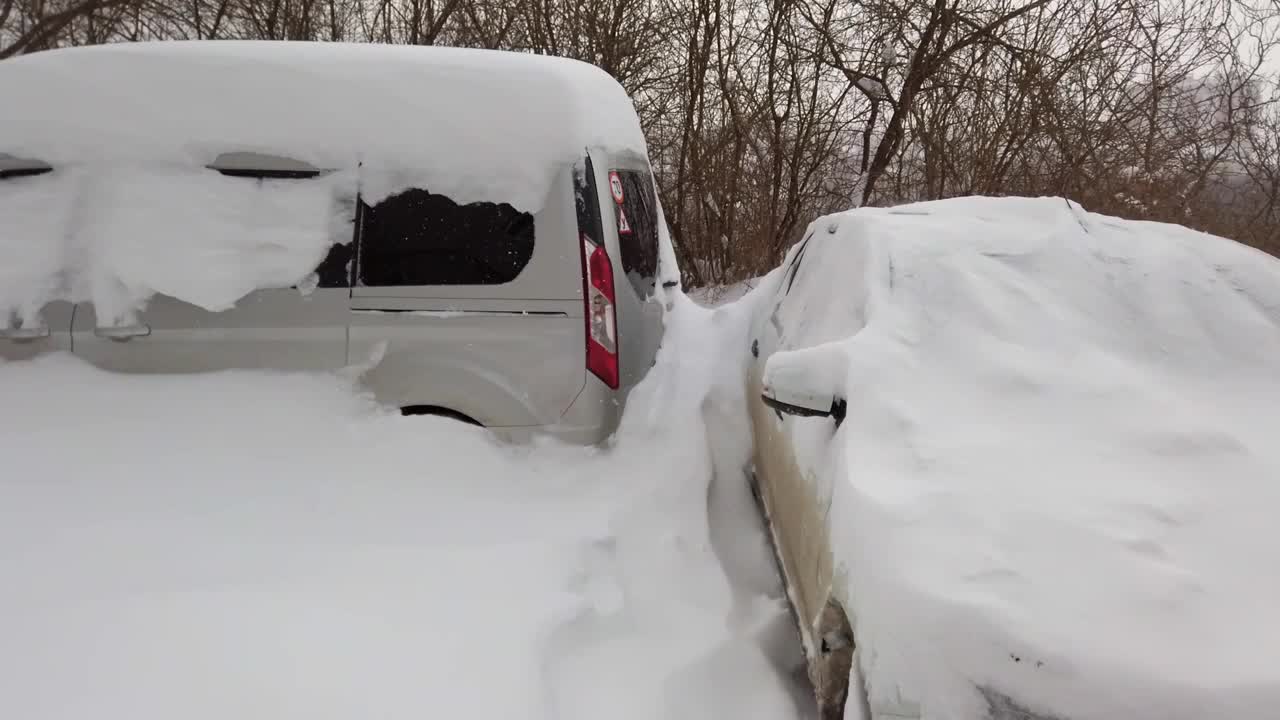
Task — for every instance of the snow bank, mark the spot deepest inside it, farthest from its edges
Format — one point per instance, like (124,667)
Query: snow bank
(131,209)
(166,554)
(1058,477)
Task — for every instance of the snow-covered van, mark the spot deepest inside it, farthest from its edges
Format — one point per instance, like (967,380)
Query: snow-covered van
(477,232)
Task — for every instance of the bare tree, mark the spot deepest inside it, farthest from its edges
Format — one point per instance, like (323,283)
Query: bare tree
(30,25)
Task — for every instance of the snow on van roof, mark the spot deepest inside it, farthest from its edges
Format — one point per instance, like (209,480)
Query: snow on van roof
(473,124)
(129,130)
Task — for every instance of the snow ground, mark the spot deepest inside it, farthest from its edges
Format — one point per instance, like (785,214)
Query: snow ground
(274,546)
(1058,476)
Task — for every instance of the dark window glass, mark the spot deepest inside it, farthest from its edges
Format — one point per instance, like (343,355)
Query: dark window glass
(335,270)
(420,238)
(638,233)
(587,203)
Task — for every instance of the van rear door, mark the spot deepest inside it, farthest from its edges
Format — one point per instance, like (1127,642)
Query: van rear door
(629,209)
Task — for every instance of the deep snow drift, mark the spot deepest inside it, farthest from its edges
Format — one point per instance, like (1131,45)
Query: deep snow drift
(1057,479)
(274,547)
(1059,474)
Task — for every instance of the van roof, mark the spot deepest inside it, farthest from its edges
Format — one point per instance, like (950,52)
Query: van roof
(474,124)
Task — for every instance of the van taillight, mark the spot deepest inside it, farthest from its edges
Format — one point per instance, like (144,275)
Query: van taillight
(602,322)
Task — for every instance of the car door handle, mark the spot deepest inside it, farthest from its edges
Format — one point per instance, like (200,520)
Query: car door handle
(123,333)
(25,334)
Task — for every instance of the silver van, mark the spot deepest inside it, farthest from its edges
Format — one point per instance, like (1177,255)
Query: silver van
(524,323)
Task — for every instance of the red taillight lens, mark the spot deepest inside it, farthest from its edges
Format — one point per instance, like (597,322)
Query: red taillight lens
(602,321)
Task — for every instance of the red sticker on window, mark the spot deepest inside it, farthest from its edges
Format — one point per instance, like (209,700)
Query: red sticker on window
(624,227)
(615,186)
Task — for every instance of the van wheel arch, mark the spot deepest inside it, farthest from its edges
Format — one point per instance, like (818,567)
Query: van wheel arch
(438,411)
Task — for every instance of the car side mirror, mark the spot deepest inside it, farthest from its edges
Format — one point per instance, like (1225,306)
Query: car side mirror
(803,383)
(804,404)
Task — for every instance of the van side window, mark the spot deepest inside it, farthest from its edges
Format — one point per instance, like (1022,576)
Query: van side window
(269,171)
(421,238)
(637,222)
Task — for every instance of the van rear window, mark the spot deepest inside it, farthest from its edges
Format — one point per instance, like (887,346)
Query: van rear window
(421,238)
(637,222)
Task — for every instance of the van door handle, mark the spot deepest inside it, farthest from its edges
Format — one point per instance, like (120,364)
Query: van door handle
(123,333)
(25,334)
